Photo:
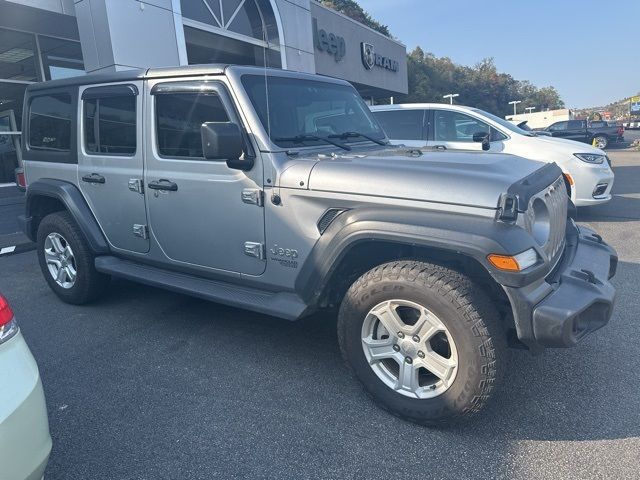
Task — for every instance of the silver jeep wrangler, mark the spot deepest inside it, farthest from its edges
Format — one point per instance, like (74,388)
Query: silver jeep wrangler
(278,192)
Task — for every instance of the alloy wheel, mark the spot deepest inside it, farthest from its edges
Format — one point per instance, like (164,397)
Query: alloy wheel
(409,349)
(60,260)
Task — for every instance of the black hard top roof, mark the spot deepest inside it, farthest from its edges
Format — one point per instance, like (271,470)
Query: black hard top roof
(169,72)
(133,74)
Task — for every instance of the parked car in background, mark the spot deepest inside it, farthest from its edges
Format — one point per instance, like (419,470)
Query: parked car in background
(599,133)
(453,127)
(25,442)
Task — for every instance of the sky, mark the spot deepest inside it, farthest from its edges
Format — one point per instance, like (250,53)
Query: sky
(589,50)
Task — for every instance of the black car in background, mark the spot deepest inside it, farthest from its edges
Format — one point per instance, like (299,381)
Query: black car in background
(598,133)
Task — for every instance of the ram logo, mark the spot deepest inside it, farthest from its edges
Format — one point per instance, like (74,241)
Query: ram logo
(368,55)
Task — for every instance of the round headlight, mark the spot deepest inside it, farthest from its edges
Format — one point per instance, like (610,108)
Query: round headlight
(539,222)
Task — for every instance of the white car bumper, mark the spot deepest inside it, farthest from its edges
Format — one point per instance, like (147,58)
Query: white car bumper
(592,184)
(25,442)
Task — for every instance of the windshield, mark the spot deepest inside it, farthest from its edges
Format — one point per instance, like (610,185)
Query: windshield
(505,123)
(306,112)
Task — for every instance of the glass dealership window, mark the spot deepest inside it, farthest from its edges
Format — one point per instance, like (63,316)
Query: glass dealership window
(179,117)
(251,18)
(50,122)
(205,47)
(110,125)
(17,56)
(60,58)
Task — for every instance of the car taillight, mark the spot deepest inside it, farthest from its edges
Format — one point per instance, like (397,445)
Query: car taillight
(8,326)
(21,180)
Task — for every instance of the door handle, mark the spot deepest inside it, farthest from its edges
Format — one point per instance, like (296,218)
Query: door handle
(93,178)
(163,184)
(439,147)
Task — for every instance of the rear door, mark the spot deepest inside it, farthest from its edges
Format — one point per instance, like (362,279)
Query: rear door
(405,126)
(110,162)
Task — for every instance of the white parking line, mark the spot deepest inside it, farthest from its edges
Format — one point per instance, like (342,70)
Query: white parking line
(5,250)
(11,184)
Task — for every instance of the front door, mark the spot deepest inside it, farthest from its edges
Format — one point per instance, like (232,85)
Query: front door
(453,130)
(110,160)
(198,214)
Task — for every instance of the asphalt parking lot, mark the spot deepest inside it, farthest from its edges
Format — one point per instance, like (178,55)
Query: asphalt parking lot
(148,384)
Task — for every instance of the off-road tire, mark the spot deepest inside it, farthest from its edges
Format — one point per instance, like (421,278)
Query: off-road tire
(89,283)
(466,311)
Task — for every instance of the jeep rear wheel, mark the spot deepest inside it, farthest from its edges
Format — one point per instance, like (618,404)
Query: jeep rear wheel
(66,260)
(424,341)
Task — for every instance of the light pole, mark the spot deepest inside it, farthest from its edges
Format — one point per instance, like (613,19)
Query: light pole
(451,96)
(530,109)
(514,103)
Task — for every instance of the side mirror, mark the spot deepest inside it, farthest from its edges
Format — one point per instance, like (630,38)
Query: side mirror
(224,141)
(484,138)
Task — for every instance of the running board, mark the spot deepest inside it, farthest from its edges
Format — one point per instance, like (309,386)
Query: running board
(282,304)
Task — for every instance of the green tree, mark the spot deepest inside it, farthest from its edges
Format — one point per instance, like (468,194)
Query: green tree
(480,86)
(354,11)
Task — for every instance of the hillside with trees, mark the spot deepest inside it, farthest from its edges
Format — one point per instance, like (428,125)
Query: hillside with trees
(481,86)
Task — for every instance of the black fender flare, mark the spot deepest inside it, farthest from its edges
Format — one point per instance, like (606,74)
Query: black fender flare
(469,235)
(71,197)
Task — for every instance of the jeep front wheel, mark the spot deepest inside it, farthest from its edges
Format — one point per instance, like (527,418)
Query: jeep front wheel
(66,260)
(423,339)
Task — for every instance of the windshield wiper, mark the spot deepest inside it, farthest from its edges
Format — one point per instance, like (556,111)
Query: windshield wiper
(306,137)
(345,135)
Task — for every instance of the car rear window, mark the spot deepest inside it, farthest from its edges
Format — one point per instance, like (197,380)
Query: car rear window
(50,122)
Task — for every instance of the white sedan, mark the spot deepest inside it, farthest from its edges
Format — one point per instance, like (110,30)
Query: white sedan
(437,126)
(25,442)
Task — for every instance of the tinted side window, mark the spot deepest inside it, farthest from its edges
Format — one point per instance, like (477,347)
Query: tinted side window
(402,124)
(178,120)
(50,122)
(453,126)
(575,124)
(110,125)
(558,126)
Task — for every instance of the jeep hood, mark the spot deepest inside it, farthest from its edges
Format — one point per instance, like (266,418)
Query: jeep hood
(463,178)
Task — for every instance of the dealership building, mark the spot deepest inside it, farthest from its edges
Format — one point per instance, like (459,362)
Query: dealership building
(50,39)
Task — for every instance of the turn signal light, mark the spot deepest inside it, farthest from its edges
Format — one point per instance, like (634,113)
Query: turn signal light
(504,262)
(514,263)
(569,178)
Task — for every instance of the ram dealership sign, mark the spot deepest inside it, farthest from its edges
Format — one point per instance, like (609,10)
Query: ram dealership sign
(371,59)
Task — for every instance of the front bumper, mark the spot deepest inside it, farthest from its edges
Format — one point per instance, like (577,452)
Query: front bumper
(25,442)
(588,179)
(571,302)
